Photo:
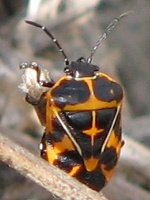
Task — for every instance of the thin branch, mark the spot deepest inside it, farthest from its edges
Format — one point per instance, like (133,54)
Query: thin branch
(136,156)
(46,175)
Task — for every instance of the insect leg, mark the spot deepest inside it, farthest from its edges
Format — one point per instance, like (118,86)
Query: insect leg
(33,65)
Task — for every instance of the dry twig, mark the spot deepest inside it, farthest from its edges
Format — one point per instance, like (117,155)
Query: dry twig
(135,156)
(48,176)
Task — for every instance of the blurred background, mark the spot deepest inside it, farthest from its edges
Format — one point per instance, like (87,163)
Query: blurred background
(124,55)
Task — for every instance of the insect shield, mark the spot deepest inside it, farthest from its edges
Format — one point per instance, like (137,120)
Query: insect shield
(81,114)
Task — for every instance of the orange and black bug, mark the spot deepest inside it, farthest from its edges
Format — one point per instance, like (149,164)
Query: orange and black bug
(81,114)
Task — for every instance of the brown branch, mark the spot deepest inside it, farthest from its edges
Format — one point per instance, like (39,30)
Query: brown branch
(46,175)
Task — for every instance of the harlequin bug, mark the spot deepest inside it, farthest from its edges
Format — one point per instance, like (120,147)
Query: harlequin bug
(81,114)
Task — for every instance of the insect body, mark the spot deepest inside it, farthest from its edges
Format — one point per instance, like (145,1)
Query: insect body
(81,113)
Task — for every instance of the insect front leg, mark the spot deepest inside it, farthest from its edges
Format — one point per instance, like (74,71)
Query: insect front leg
(42,76)
(35,82)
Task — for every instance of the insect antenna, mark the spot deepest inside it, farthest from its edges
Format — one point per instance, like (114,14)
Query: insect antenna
(110,27)
(66,61)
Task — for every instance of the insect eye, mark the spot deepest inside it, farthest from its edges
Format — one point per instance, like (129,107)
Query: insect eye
(96,69)
(81,59)
(67,70)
